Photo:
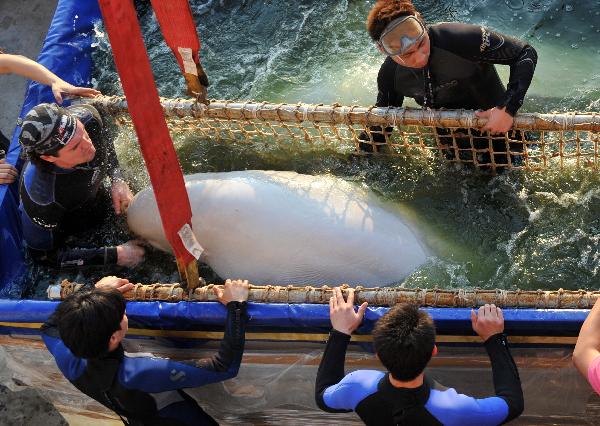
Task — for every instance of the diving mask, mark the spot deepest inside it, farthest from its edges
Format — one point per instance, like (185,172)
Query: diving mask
(400,35)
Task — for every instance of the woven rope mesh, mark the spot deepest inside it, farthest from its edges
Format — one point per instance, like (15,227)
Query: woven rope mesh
(537,141)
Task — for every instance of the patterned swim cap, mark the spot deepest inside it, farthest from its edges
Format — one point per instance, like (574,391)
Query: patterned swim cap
(46,129)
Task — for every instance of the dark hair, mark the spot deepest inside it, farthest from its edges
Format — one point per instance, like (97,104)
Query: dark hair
(88,318)
(385,11)
(404,339)
(35,158)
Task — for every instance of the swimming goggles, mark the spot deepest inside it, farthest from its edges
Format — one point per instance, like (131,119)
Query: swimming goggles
(400,34)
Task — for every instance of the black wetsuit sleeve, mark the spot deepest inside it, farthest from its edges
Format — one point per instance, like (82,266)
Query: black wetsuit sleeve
(478,43)
(41,229)
(507,383)
(232,346)
(387,96)
(67,258)
(153,375)
(331,368)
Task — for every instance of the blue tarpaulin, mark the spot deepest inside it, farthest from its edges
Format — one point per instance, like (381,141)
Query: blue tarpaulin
(67,52)
(303,317)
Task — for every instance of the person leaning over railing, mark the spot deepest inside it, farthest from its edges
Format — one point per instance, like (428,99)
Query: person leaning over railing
(62,191)
(25,67)
(85,333)
(404,341)
(586,355)
(448,65)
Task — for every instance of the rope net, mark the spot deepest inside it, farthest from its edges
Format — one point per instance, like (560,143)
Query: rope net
(379,296)
(537,141)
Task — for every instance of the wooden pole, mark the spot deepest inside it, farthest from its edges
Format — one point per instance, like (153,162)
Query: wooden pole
(380,296)
(338,114)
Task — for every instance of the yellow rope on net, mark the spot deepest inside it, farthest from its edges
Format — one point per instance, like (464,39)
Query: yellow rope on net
(537,141)
(379,296)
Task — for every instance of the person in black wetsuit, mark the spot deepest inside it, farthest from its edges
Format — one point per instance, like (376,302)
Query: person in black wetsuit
(62,190)
(404,341)
(85,333)
(450,65)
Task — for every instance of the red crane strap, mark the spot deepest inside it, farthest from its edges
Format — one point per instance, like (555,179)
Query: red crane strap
(133,65)
(179,31)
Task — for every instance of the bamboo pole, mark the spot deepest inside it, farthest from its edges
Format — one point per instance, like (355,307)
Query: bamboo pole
(380,296)
(338,114)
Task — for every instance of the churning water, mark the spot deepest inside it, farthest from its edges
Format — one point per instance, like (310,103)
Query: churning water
(515,230)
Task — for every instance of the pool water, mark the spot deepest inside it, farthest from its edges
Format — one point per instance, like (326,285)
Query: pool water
(515,230)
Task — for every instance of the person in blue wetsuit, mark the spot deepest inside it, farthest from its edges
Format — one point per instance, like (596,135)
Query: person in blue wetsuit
(404,341)
(85,333)
(449,65)
(62,191)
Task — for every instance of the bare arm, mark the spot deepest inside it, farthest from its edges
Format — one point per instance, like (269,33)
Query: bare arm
(588,342)
(25,67)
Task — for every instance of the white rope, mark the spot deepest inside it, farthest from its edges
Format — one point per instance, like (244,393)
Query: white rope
(501,296)
(431,117)
(395,117)
(469,119)
(304,108)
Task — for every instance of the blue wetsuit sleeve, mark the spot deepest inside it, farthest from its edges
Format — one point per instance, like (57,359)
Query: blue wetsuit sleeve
(41,244)
(351,390)
(35,235)
(41,215)
(41,224)
(331,370)
(454,409)
(154,375)
(71,366)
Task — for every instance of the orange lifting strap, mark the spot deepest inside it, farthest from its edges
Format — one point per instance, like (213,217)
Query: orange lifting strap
(179,31)
(148,119)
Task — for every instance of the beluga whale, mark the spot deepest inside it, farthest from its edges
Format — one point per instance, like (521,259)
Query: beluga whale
(281,227)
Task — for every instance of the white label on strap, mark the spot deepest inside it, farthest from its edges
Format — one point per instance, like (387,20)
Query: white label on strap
(189,241)
(54,292)
(189,66)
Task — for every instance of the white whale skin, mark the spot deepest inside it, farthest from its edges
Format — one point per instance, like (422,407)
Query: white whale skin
(275,227)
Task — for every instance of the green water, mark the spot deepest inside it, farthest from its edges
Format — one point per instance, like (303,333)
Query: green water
(525,230)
